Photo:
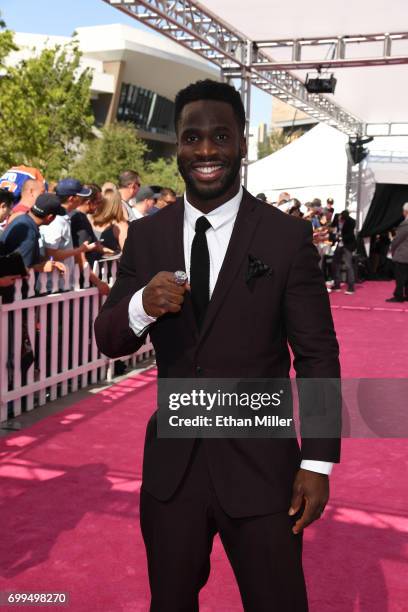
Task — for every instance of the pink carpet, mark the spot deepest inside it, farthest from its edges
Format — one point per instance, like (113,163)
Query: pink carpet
(70,484)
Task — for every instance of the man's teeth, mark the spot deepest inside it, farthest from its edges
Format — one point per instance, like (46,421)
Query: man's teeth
(207,169)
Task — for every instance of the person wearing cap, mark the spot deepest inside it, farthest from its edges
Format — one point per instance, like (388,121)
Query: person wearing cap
(144,202)
(81,228)
(23,233)
(57,236)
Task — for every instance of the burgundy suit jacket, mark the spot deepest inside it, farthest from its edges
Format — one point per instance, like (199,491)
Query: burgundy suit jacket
(246,332)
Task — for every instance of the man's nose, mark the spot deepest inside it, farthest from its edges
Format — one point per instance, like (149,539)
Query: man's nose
(206,147)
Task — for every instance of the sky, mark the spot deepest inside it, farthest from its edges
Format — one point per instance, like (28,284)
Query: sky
(62,17)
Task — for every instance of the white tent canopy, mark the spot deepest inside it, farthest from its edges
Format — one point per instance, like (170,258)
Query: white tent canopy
(373,94)
(313,166)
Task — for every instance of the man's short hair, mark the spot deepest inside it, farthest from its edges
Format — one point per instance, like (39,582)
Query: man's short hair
(405,207)
(29,184)
(128,177)
(210,90)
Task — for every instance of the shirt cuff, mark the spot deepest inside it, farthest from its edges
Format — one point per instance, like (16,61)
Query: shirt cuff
(322,467)
(139,320)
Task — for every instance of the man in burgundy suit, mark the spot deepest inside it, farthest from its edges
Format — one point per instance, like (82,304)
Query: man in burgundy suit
(258,494)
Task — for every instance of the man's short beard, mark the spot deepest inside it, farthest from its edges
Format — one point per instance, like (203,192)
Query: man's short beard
(211,193)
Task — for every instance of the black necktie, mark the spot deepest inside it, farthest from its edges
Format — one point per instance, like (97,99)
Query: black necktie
(200,270)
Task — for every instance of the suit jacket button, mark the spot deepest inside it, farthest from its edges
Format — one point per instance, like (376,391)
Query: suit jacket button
(199,371)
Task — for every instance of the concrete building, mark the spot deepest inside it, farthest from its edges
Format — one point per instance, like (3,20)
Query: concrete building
(135,76)
(290,119)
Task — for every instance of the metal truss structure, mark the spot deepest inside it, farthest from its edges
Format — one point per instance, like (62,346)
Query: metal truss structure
(386,129)
(195,28)
(339,47)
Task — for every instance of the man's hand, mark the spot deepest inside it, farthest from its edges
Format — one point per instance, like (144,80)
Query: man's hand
(103,288)
(87,247)
(99,248)
(62,268)
(312,490)
(163,295)
(51,265)
(48,266)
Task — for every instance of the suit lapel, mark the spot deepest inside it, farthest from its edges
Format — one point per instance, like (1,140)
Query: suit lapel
(245,224)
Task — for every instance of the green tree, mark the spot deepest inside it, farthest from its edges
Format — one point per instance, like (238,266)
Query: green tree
(6,43)
(45,110)
(164,172)
(115,149)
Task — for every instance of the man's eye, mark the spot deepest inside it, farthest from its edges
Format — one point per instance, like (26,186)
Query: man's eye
(191,138)
(222,137)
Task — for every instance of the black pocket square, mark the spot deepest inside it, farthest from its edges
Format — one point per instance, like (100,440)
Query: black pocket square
(256,268)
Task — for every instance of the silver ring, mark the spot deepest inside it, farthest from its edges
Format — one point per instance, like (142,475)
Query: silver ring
(180,277)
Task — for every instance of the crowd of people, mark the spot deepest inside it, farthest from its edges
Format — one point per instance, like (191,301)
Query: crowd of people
(333,235)
(64,227)
(58,226)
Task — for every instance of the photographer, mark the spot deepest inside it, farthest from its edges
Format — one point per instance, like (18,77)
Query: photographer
(344,226)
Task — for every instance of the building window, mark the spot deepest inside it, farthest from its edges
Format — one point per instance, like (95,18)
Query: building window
(146,109)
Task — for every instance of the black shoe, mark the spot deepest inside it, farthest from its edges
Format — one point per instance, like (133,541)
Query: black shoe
(394,299)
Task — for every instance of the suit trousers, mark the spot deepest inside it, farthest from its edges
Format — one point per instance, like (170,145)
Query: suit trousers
(401,280)
(339,254)
(265,555)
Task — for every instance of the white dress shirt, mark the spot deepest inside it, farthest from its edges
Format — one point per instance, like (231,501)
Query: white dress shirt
(222,221)
(57,235)
(137,214)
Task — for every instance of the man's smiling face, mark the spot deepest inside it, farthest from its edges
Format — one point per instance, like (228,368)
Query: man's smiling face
(209,151)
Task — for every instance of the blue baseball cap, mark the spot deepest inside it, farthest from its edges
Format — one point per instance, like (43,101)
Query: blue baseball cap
(72,187)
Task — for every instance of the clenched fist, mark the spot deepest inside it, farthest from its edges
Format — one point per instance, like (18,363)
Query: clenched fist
(163,295)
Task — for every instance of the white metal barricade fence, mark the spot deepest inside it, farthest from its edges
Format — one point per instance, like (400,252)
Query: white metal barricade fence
(47,342)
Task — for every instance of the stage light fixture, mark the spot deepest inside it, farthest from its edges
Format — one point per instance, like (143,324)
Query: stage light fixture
(356,150)
(320,84)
